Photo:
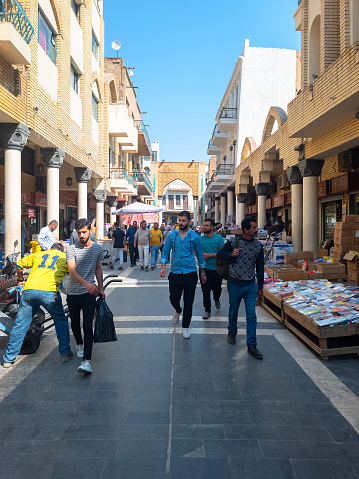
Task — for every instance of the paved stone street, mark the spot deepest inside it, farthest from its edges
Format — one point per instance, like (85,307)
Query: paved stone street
(159,406)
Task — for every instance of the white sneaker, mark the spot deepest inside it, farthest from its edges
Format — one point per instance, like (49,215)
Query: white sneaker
(80,350)
(85,367)
(175,318)
(185,333)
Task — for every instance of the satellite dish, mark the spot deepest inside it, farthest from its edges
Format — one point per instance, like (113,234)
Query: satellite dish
(116,45)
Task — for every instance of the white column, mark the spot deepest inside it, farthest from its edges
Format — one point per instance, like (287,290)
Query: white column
(83,176)
(100,197)
(216,210)
(223,209)
(112,202)
(230,195)
(240,208)
(261,211)
(112,217)
(53,159)
(13,138)
(195,210)
(297,216)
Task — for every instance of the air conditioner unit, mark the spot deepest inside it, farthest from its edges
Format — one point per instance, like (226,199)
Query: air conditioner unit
(283,183)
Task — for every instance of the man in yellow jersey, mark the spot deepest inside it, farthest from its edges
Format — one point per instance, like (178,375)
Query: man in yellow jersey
(157,238)
(41,289)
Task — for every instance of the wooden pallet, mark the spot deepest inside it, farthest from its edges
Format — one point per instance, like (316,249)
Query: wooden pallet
(273,305)
(324,340)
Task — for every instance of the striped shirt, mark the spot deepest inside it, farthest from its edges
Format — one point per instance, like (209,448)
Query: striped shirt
(86,260)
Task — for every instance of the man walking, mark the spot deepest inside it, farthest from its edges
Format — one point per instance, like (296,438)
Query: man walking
(144,241)
(183,276)
(120,243)
(211,243)
(41,289)
(130,237)
(247,259)
(46,236)
(84,261)
(157,239)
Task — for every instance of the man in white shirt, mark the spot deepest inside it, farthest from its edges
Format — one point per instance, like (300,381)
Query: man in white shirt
(46,236)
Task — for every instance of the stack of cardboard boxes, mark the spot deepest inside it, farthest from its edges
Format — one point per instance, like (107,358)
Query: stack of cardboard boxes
(352,260)
(346,237)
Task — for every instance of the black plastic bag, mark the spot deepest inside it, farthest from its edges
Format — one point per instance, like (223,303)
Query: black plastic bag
(124,256)
(104,325)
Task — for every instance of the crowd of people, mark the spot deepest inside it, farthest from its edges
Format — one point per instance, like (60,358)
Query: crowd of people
(179,244)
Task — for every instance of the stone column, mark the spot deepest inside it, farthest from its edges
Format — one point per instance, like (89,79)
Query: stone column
(112,203)
(223,208)
(53,158)
(261,190)
(13,138)
(230,196)
(296,181)
(310,170)
(240,211)
(195,210)
(83,176)
(216,209)
(100,197)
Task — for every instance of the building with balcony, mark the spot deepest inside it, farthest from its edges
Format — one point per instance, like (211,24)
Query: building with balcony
(262,77)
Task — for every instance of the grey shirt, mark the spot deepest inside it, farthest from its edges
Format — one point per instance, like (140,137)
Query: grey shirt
(143,237)
(86,260)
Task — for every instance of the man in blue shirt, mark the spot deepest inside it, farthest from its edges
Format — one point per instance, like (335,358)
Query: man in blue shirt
(130,237)
(46,236)
(183,276)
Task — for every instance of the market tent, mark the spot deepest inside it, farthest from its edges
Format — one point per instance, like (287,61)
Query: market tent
(139,211)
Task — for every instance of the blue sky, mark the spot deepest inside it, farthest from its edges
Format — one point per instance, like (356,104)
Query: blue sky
(184,54)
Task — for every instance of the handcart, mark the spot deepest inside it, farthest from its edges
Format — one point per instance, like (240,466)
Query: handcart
(269,245)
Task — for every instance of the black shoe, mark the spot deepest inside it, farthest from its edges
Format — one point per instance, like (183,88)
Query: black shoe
(253,351)
(142,267)
(231,338)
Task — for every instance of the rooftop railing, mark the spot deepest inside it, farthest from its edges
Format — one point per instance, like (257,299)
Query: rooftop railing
(141,127)
(122,174)
(228,113)
(144,178)
(12,11)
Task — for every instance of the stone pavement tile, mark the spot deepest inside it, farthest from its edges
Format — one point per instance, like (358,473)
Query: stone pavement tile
(29,448)
(292,449)
(323,469)
(101,417)
(88,448)
(148,418)
(273,418)
(276,405)
(199,385)
(195,405)
(5,432)
(142,448)
(300,433)
(89,431)
(240,384)
(220,395)
(66,395)
(37,432)
(50,419)
(236,431)
(206,376)
(232,448)
(262,469)
(186,417)
(79,468)
(323,409)
(141,431)
(16,407)
(339,451)
(198,431)
(55,407)
(134,468)
(16,396)
(325,420)
(209,417)
(185,393)
(13,419)
(28,466)
(198,467)
(348,434)
(187,448)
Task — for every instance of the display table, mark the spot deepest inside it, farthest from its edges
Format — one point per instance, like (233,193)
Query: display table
(273,304)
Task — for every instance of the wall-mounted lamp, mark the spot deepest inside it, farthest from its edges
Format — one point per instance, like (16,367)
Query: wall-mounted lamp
(69,181)
(40,169)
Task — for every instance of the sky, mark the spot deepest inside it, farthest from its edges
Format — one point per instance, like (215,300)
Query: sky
(184,54)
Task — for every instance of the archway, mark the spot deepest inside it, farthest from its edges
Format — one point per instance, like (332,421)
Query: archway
(276,114)
(314,49)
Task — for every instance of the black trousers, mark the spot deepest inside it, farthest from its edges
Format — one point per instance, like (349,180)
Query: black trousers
(213,283)
(133,253)
(87,303)
(185,283)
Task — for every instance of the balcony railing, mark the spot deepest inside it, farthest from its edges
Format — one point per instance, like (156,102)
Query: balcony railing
(225,169)
(144,178)
(121,174)
(141,127)
(228,113)
(12,11)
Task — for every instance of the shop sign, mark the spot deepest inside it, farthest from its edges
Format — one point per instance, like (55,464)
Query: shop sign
(40,199)
(278,201)
(288,198)
(31,213)
(68,198)
(26,198)
(339,184)
(268,203)
(322,189)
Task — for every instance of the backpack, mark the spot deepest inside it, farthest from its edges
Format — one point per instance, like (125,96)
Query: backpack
(223,264)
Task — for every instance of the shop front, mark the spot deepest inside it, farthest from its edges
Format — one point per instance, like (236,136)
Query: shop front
(68,208)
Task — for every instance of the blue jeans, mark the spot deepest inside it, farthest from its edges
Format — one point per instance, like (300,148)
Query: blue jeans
(30,300)
(154,254)
(249,294)
(23,245)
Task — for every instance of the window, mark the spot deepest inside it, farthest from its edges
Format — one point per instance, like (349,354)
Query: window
(178,200)
(164,200)
(47,38)
(95,107)
(75,8)
(74,79)
(94,46)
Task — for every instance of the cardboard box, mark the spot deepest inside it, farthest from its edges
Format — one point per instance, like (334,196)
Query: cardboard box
(271,270)
(345,240)
(339,258)
(334,276)
(290,258)
(342,248)
(280,251)
(339,234)
(290,275)
(352,260)
(312,265)
(315,275)
(322,252)
(331,268)
(353,277)
(341,226)
(350,218)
